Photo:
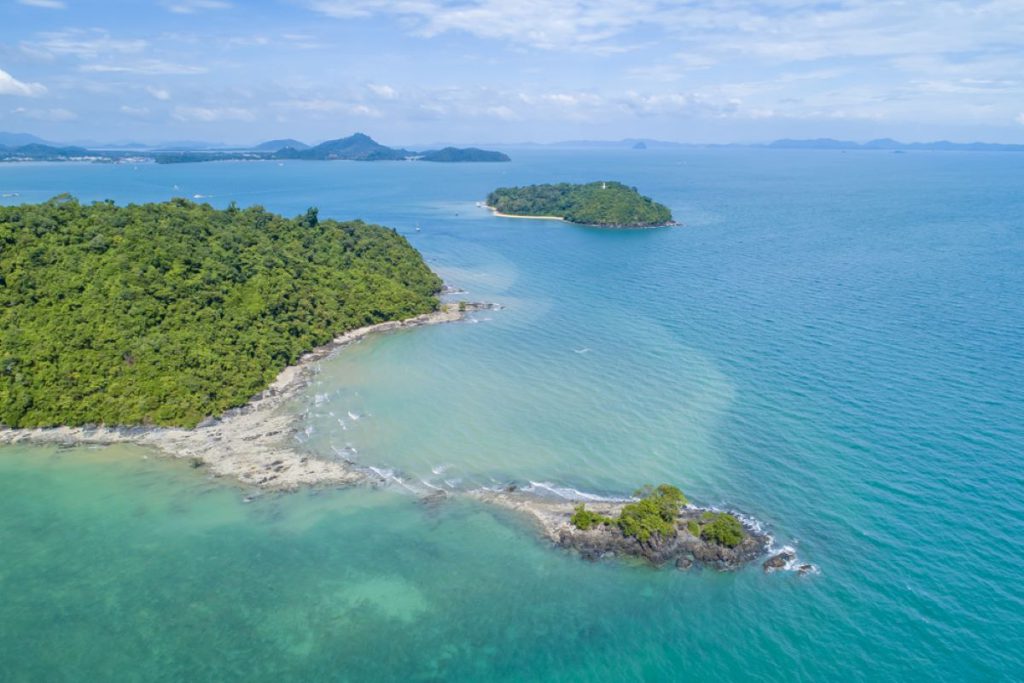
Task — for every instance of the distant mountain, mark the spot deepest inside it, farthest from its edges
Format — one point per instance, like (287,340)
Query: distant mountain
(40,152)
(20,139)
(819,143)
(455,154)
(277,145)
(358,147)
(895,145)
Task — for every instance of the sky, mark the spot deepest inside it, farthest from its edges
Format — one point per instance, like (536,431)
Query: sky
(473,71)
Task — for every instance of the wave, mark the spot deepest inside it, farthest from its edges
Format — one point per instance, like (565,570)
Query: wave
(566,492)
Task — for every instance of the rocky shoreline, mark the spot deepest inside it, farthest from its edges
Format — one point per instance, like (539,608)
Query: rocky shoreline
(684,550)
(254,443)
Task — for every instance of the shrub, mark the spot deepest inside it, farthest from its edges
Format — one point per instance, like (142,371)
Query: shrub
(724,529)
(693,527)
(583,519)
(654,513)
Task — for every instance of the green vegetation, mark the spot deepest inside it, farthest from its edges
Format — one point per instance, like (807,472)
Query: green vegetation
(723,528)
(654,513)
(584,519)
(167,313)
(603,203)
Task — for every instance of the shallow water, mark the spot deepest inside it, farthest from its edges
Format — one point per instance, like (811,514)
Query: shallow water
(832,343)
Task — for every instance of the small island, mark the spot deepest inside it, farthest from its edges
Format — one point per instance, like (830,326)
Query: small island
(605,204)
(657,526)
(456,154)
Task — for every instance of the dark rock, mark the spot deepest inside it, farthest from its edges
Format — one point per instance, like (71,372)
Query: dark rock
(196,463)
(682,549)
(779,560)
(805,569)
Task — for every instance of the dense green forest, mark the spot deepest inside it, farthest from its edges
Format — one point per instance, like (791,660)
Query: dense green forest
(167,313)
(602,203)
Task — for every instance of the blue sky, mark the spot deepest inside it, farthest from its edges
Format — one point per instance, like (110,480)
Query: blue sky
(422,71)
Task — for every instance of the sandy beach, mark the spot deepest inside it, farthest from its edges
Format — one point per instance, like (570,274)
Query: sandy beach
(499,214)
(254,443)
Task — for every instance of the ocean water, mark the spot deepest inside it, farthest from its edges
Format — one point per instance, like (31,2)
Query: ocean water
(832,344)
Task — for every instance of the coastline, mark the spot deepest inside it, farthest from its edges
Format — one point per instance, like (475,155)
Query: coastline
(499,214)
(250,443)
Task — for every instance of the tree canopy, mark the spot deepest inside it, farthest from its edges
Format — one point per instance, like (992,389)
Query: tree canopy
(167,313)
(608,204)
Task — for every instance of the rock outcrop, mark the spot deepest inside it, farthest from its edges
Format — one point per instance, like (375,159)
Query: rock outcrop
(684,549)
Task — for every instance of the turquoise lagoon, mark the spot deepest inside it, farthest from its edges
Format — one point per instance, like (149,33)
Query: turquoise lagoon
(832,344)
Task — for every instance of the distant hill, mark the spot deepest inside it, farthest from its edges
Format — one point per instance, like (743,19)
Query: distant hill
(358,147)
(20,139)
(893,145)
(276,145)
(455,154)
(40,152)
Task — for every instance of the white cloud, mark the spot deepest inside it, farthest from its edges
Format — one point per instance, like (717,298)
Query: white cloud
(80,44)
(9,85)
(148,67)
(212,114)
(326,106)
(1020,118)
(383,91)
(193,6)
(45,4)
(162,94)
(46,114)
(135,111)
(547,24)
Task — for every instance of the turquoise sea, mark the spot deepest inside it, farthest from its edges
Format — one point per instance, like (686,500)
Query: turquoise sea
(833,343)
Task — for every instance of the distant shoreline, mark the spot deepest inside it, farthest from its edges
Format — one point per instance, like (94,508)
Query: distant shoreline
(499,214)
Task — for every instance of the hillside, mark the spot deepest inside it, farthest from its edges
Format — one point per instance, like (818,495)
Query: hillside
(357,147)
(167,313)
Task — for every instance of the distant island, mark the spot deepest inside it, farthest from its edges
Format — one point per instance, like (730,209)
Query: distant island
(455,154)
(165,314)
(603,204)
(357,147)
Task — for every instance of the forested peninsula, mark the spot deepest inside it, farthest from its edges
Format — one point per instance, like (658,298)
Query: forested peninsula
(604,204)
(166,313)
